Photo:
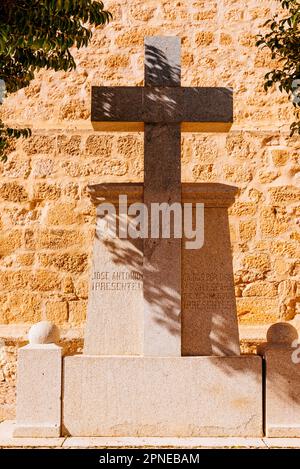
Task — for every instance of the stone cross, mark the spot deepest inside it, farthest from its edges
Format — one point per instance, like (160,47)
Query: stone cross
(162,109)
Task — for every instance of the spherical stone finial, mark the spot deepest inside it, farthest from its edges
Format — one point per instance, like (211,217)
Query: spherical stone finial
(282,333)
(43,332)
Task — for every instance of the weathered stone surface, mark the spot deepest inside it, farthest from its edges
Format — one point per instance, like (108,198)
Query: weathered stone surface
(127,396)
(12,191)
(7,440)
(39,391)
(57,311)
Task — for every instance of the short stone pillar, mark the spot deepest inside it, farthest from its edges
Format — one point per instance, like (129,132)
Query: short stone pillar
(282,382)
(39,384)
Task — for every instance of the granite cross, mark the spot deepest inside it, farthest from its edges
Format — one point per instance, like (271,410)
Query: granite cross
(162,109)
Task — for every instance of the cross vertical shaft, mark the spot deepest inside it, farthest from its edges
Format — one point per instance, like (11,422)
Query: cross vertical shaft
(162,184)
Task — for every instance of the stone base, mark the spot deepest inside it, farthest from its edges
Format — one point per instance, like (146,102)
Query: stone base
(162,396)
(37,431)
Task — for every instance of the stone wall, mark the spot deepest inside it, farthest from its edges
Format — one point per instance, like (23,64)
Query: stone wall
(47,219)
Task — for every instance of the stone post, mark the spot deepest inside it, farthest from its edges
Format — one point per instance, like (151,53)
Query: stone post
(282,381)
(39,384)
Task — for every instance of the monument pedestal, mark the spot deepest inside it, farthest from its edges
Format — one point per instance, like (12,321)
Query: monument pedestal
(121,290)
(116,388)
(162,396)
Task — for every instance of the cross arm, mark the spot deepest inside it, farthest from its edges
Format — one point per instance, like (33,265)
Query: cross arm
(128,108)
(207,109)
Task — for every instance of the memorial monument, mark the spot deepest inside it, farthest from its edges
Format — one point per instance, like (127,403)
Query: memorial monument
(161,351)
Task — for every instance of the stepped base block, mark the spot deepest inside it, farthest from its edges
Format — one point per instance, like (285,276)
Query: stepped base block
(162,396)
(42,431)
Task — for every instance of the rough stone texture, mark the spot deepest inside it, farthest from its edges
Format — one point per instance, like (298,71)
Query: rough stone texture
(218,49)
(135,396)
(39,391)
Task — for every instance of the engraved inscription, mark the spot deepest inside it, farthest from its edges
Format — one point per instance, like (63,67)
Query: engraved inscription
(117,281)
(207,291)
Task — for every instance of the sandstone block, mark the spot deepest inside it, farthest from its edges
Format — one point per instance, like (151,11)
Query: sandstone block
(59,238)
(42,280)
(43,167)
(260,288)
(99,146)
(280,157)
(77,311)
(243,208)
(237,173)
(68,262)
(69,145)
(273,221)
(13,192)
(41,144)
(45,191)
(259,261)
(247,230)
(252,310)
(20,307)
(284,194)
(63,214)
(10,241)
(57,311)
(204,38)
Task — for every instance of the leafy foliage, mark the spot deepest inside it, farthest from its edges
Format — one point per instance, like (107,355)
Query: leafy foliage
(283,40)
(37,34)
